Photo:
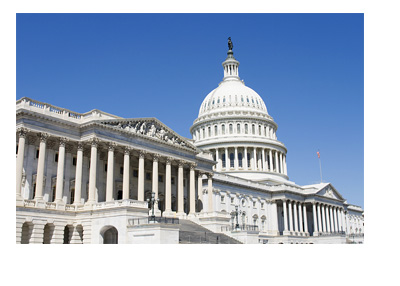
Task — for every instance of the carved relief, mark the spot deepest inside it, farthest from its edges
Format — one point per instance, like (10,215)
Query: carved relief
(151,129)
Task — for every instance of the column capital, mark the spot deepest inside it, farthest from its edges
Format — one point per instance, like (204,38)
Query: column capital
(22,131)
(192,166)
(168,160)
(181,163)
(62,141)
(43,136)
(142,153)
(80,146)
(127,150)
(209,175)
(94,141)
(156,157)
(111,146)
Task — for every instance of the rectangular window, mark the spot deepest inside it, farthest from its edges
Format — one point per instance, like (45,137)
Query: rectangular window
(135,173)
(160,178)
(148,176)
(222,199)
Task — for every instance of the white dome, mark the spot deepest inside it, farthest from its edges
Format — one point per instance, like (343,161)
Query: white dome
(232,95)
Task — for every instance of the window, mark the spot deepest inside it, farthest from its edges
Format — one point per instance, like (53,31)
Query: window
(223,129)
(105,167)
(204,133)
(265,130)
(135,173)
(232,159)
(253,129)
(121,170)
(215,130)
(34,191)
(173,180)
(240,157)
(218,100)
(56,157)
(209,131)
(224,99)
(148,176)
(53,197)
(230,128)
(72,196)
(74,161)
(238,129)
(232,200)
(222,199)
(160,178)
(254,204)
(119,195)
(262,205)
(259,130)
(248,159)
(248,100)
(37,153)
(246,129)
(223,161)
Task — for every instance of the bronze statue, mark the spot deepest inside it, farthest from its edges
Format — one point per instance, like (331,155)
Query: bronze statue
(230,44)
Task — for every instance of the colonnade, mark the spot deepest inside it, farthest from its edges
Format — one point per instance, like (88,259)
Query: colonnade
(295,218)
(109,192)
(328,219)
(250,158)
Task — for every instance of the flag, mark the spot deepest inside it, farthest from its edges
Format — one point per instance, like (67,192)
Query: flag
(318,154)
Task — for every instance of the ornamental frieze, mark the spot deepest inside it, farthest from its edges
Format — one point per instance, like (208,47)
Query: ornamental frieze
(150,129)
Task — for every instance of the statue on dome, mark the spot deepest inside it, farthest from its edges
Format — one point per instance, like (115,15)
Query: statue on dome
(230,44)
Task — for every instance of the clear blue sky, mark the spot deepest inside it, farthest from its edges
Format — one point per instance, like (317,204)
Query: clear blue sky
(308,68)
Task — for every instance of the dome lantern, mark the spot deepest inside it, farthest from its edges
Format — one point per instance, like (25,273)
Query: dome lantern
(231,65)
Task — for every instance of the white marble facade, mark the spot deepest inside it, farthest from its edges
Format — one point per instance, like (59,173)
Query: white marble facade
(84,178)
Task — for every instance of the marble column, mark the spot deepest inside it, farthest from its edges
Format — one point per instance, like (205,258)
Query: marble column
(217,159)
(227,160)
(284,165)
(20,160)
(192,190)
(300,219)
(141,176)
(200,190)
(154,177)
(280,163)
(255,158)
(40,168)
(180,209)
(323,218)
(340,219)
(210,194)
(305,219)
(126,174)
(276,162)
(335,219)
(60,171)
(246,167)
(315,219)
(285,218)
(264,167)
(331,216)
(290,216)
(320,229)
(295,221)
(78,174)
(110,173)
(93,169)
(270,165)
(168,185)
(328,227)
(236,163)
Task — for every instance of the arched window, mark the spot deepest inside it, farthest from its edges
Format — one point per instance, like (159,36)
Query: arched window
(204,133)
(230,128)
(215,130)
(223,129)
(224,99)
(72,196)
(223,161)
(232,159)
(238,129)
(218,100)
(209,131)
(259,130)
(248,159)
(109,234)
(246,129)
(240,158)
(253,129)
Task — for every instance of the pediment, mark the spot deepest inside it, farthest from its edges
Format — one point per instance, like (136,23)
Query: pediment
(330,192)
(150,128)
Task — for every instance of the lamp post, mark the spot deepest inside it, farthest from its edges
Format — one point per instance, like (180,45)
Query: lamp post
(152,201)
(236,213)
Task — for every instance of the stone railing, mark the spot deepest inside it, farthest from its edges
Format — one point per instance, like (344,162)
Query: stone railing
(120,203)
(45,108)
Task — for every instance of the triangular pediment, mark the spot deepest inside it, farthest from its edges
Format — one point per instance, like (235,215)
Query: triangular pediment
(330,192)
(150,128)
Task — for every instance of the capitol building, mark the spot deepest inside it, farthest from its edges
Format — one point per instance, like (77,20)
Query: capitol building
(97,178)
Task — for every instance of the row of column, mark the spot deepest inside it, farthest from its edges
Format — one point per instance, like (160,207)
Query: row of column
(110,174)
(294,214)
(327,218)
(261,159)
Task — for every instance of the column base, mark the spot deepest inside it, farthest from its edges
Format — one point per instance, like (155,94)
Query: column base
(286,232)
(169,213)
(181,215)
(315,233)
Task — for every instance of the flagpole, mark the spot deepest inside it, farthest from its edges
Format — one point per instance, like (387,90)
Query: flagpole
(320,169)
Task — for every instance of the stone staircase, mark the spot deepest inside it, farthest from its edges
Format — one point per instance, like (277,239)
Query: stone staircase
(192,233)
